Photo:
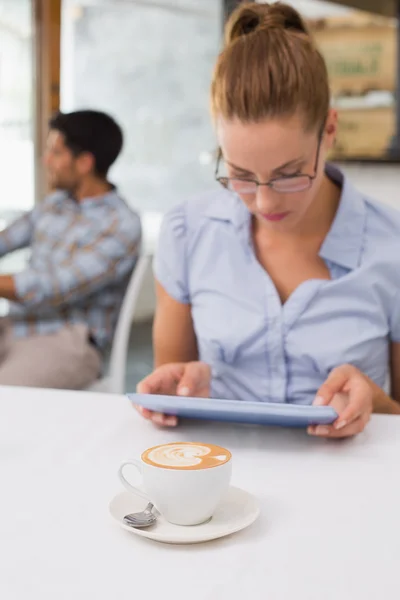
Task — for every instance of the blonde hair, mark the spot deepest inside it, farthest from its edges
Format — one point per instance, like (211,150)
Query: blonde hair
(269,67)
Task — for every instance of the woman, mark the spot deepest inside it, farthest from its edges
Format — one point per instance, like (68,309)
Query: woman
(283,285)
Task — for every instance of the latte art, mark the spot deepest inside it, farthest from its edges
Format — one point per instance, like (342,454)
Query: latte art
(178,455)
(186,455)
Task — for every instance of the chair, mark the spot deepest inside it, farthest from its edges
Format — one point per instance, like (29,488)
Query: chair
(114,381)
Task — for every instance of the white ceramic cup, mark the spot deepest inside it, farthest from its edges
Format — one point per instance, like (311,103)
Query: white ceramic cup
(182,496)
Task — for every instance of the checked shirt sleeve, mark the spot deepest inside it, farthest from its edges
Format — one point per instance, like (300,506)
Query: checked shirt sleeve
(109,258)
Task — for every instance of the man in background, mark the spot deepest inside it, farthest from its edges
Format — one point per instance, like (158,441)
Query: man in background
(84,243)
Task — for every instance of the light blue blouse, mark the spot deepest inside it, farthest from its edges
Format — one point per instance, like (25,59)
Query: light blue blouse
(258,348)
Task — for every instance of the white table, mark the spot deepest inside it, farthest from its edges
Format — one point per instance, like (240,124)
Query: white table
(329,530)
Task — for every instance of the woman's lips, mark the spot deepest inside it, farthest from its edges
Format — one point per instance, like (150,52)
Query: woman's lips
(275,216)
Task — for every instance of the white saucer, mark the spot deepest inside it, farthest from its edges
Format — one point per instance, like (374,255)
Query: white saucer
(238,510)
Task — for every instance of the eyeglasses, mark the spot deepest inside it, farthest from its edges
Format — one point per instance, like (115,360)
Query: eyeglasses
(288,184)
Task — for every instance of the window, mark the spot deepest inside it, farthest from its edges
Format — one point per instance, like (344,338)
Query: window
(148,64)
(16,109)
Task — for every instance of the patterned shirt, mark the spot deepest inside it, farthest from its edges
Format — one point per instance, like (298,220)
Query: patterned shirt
(259,348)
(82,255)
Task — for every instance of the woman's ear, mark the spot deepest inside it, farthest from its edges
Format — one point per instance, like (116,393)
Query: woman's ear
(331,128)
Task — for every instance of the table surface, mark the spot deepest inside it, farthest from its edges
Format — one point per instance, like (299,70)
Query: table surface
(329,528)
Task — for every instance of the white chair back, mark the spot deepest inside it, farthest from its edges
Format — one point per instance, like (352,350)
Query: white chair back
(114,381)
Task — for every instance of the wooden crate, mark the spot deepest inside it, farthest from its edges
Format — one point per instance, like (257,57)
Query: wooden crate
(364,132)
(360,54)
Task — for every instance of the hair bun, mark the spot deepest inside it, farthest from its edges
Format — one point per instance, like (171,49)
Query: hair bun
(251,17)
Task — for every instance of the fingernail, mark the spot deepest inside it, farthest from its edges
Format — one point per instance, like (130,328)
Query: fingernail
(340,425)
(319,401)
(183,391)
(321,430)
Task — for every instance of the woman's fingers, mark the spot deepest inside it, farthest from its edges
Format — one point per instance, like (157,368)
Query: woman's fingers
(143,411)
(335,383)
(164,420)
(157,418)
(185,379)
(359,405)
(162,380)
(349,384)
(151,384)
(349,407)
(196,378)
(329,431)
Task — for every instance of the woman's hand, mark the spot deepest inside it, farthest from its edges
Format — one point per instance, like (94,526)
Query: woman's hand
(175,379)
(352,394)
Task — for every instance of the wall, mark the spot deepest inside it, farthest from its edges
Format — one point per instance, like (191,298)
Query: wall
(16,106)
(149,64)
(381,182)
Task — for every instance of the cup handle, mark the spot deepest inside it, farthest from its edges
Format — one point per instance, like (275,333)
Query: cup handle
(125,482)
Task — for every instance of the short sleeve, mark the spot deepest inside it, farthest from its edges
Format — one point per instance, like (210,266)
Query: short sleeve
(170,262)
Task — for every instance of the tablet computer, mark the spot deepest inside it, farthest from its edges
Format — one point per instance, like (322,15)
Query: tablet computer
(236,411)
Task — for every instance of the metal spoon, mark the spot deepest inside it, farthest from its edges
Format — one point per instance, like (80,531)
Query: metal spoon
(145,518)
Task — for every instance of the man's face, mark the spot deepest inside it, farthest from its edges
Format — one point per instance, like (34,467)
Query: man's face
(62,166)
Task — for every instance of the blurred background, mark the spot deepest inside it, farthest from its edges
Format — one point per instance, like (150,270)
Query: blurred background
(149,63)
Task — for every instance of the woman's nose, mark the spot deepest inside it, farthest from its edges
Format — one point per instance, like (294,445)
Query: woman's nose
(265,199)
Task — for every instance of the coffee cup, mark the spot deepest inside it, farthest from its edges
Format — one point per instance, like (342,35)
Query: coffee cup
(184,480)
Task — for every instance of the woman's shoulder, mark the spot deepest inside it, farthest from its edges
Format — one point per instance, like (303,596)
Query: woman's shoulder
(187,231)
(361,219)
(211,206)
(382,253)
(383,221)
(381,243)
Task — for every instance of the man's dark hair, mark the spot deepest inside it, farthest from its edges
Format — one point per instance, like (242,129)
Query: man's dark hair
(90,131)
